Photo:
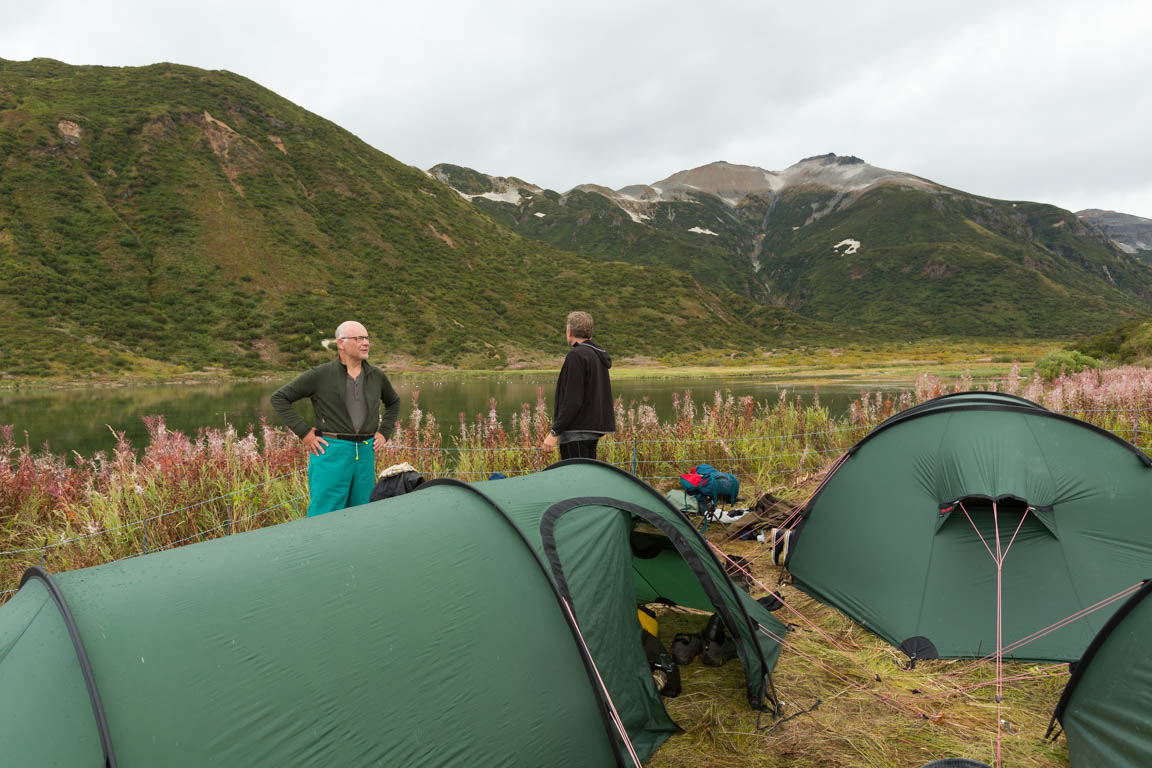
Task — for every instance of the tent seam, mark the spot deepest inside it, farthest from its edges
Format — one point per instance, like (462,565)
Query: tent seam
(27,626)
(1055,520)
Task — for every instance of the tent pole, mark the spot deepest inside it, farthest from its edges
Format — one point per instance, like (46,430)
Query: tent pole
(999,632)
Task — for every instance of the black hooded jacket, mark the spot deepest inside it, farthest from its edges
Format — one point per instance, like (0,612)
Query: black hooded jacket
(584,392)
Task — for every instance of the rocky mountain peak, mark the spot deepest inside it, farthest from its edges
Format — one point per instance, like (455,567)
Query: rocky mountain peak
(833,159)
(1131,234)
(728,181)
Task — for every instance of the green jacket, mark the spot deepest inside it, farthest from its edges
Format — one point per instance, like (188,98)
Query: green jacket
(324,385)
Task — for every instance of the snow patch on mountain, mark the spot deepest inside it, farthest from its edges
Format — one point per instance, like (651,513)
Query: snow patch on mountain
(852,247)
(702,231)
(539,215)
(506,196)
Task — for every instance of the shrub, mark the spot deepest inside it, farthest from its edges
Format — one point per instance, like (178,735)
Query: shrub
(1063,362)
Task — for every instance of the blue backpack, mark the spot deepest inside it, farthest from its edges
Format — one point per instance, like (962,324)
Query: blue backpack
(710,484)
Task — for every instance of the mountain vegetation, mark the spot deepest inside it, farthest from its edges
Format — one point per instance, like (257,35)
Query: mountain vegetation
(1127,344)
(167,217)
(834,239)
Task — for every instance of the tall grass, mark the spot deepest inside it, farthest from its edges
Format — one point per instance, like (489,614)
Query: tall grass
(71,514)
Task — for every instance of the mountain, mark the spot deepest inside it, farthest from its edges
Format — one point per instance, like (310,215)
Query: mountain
(835,239)
(1131,234)
(172,216)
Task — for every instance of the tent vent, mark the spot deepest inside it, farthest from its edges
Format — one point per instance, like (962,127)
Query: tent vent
(919,648)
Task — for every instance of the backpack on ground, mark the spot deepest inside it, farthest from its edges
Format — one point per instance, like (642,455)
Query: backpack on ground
(710,485)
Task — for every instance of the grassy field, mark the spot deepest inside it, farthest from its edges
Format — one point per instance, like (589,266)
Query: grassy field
(871,711)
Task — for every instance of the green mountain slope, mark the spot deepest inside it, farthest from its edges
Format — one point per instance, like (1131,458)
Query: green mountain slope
(588,221)
(931,264)
(173,214)
(1127,344)
(835,239)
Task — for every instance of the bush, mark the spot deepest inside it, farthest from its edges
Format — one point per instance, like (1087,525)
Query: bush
(1061,362)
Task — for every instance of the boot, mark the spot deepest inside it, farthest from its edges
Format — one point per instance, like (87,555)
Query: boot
(686,647)
(714,630)
(716,653)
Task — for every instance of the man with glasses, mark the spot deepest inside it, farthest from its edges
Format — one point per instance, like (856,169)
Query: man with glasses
(346,395)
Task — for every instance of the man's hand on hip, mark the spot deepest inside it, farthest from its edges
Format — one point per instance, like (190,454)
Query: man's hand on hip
(550,442)
(314,443)
(379,442)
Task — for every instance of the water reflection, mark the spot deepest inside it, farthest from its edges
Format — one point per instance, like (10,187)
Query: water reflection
(83,420)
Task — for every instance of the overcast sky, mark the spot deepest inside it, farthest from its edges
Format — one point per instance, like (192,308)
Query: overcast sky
(1048,101)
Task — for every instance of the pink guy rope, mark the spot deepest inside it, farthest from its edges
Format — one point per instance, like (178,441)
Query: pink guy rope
(616,719)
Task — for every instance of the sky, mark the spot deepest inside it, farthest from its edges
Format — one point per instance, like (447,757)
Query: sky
(1048,101)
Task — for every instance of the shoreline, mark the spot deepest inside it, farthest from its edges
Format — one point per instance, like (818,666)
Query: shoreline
(813,365)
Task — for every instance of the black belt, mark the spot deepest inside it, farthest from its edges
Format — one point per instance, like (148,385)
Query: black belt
(353,438)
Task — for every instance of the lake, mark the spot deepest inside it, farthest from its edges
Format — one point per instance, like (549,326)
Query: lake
(82,420)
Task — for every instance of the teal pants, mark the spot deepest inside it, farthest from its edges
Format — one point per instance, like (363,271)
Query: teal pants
(342,476)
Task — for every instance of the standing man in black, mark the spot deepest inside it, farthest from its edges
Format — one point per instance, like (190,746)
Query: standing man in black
(583,409)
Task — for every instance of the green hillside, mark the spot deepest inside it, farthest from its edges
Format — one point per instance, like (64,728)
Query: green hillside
(932,264)
(192,217)
(1127,344)
(929,261)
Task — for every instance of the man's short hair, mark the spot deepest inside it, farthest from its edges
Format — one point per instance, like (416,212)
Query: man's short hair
(580,323)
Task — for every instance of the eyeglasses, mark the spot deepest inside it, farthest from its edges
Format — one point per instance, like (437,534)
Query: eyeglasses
(357,339)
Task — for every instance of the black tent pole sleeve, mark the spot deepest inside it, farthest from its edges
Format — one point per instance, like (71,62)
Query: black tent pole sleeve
(36,572)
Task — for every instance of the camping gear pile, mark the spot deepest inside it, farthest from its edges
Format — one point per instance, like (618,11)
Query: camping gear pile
(713,645)
(703,491)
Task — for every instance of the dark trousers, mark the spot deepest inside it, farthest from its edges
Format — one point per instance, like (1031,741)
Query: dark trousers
(579,449)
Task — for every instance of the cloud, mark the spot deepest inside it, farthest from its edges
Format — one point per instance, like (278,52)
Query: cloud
(1023,100)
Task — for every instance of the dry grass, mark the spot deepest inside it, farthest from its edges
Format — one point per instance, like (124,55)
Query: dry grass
(872,711)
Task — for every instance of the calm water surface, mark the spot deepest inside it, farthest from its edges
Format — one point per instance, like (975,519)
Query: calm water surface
(82,420)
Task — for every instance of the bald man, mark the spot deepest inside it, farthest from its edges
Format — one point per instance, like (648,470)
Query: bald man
(346,395)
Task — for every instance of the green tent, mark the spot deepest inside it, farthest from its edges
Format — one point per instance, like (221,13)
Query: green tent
(1106,708)
(905,533)
(429,629)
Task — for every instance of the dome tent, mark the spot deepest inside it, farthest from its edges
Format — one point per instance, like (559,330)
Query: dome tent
(1106,707)
(428,629)
(905,533)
